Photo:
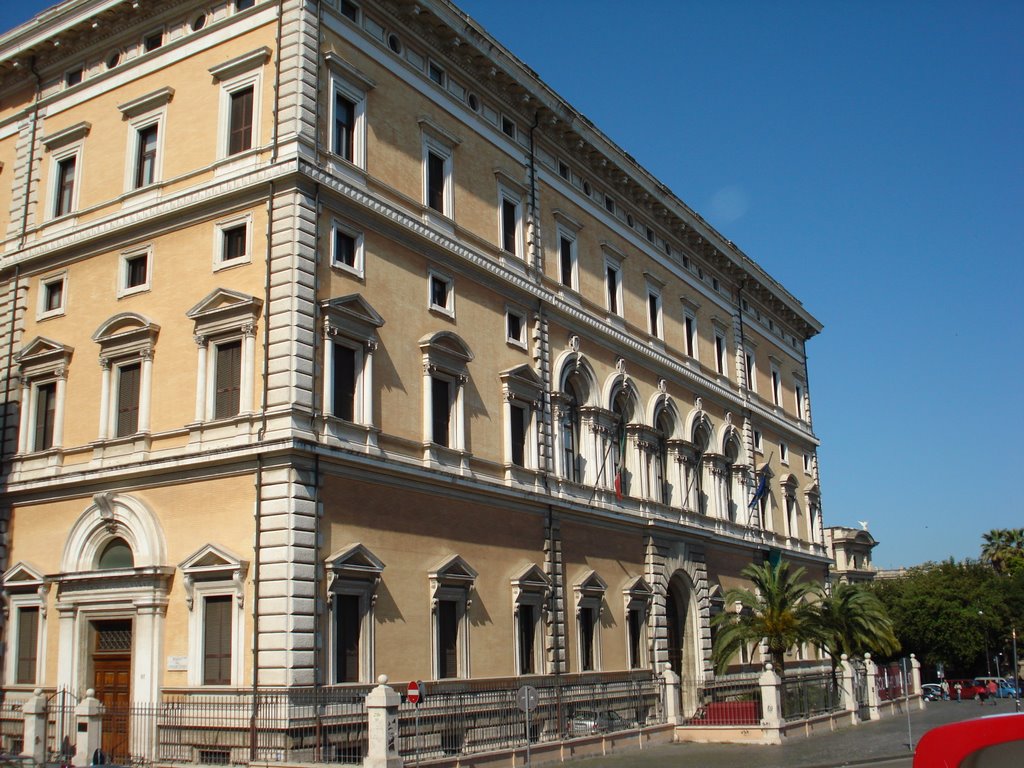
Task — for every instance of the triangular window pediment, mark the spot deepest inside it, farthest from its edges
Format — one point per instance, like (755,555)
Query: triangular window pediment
(43,355)
(22,577)
(531,579)
(453,571)
(355,562)
(223,310)
(213,562)
(353,309)
(590,585)
(638,589)
(522,382)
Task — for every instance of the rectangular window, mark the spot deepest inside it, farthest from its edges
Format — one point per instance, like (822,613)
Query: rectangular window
(527,626)
(720,353)
(614,288)
(435,182)
(136,271)
(240,120)
(440,293)
(28,645)
(519,419)
(798,397)
(436,73)
(217,640)
(654,313)
(447,639)
(129,380)
(515,328)
(349,10)
(508,126)
(242,5)
(635,627)
(344,248)
(510,226)
(691,335)
(344,378)
(567,261)
(145,158)
(152,42)
(348,625)
(807,463)
(563,170)
(228,379)
(64,200)
(587,627)
(53,296)
(758,441)
(46,410)
(235,242)
(344,127)
(783,453)
(749,373)
(776,387)
(609,204)
(441,411)
(73,76)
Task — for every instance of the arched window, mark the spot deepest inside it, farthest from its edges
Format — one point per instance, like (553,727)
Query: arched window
(116,554)
(732,453)
(575,394)
(622,407)
(664,426)
(701,438)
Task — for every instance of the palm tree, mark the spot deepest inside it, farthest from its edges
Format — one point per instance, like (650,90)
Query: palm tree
(777,611)
(853,621)
(1003,548)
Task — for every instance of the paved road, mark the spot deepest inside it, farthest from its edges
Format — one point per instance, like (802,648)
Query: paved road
(881,743)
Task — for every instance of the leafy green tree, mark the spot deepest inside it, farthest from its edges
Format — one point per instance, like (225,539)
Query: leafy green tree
(778,610)
(950,613)
(852,620)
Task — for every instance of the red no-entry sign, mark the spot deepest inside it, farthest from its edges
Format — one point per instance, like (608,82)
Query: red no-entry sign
(413,693)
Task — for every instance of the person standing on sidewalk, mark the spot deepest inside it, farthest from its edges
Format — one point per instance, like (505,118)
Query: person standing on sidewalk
(992,690)
(959,689)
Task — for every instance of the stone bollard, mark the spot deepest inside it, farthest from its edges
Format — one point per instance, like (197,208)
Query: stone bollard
(382,732)
(34,734)
(89,717)
(848,684)
(870,670)
(672,711)
(915,680)
(771,697)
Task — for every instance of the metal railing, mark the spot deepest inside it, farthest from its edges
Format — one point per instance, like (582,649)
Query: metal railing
(727,700)
(808,695)
(466,717)
(889,682)
(12,729)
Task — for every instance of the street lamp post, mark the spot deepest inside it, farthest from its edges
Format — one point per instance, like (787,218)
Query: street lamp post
(988,660)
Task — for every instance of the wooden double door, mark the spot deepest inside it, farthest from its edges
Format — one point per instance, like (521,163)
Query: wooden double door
(112,681)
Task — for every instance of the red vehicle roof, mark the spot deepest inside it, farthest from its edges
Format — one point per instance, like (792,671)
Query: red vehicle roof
(949,745)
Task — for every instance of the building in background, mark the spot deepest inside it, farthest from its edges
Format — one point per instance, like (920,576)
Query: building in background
(851,550)
(335,343)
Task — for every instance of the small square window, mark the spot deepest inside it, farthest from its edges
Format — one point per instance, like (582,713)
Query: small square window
(515,328)
(563,171)
(650,234)
(233,242)
(508,126)
(347,249)
(714,283)
(349,10)
(436,73)
(134,272)
(609,204)
(243,5)
(441,298)
(154,41)
(73,76)
(52,295)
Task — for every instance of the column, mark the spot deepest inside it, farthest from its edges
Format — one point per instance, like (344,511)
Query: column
(145,390)
(89,717)
(771,700)
(58,414)
(672,711)
(915,680)
(34,727)
(203,353)
(870,670)
(364,392)
(248,367)
(848,685)
(327,393)
(104,430)
(428,403)
(26,421)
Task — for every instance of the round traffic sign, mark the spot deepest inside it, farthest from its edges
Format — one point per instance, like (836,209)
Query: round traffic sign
(526,698)
(412,694)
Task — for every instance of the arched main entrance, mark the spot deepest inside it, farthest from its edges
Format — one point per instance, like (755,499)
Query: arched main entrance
(682,618)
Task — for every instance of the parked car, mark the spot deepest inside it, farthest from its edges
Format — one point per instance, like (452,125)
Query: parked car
(587,722)
(969,690)
(931,692)
(1004,688)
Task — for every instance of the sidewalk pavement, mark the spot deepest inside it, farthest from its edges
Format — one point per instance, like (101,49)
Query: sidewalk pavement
(877,743)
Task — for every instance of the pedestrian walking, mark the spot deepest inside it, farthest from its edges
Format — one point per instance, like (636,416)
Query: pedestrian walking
(944,687)
(992,689)
(959,690)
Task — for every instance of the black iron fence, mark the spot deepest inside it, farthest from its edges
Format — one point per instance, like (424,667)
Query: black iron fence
(726,700)
(809,695)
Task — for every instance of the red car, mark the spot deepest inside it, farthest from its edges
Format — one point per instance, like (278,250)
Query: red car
(994,741)
(969,689)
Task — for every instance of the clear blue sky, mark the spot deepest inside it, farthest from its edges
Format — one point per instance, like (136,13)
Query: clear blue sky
(870,156)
